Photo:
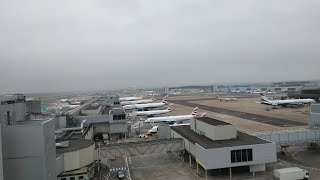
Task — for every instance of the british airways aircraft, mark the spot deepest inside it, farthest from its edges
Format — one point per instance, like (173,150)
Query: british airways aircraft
(175,118)
(147,105)
(153,112)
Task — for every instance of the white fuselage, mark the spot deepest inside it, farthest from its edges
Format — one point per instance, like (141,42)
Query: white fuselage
(68,106)
(150,113)
(154,129)
(289,101)
(130,99)
(64,100)
(169,119)
(144,101)
(142,106)
(73,106)
(227,99)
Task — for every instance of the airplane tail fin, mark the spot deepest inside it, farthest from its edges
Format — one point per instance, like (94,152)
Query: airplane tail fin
(203,115)
(264,98)
(59,105)
(164,100)
(195,111)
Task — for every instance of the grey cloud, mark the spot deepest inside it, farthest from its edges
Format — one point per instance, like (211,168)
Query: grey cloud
(86,45)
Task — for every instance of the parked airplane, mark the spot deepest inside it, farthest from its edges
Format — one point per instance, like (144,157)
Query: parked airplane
(174,118)
(73,102)
(175,93)
(154,129)
(150,93)
(271,92)
(148,105)
(257,92)
(142,101)
(64,100)
(60,106)
(153,112)
(287,102)
(226,99)
(134,98)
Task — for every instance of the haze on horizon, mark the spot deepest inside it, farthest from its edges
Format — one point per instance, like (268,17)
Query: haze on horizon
(48,46)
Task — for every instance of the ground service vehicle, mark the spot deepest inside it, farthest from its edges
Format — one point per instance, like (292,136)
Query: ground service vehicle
(293,173)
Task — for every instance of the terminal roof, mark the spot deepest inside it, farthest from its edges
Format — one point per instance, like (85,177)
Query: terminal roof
(207,143)
(74,145)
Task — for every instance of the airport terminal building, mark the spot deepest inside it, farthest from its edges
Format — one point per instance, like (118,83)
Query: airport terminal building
(217,145)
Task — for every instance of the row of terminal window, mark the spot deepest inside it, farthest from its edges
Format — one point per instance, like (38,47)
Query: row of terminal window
(243,155)
(73,178)
(119,117)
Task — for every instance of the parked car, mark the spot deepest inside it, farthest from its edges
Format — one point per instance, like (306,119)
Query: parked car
(120,174)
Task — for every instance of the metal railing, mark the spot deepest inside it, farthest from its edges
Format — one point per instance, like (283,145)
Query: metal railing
(296,137)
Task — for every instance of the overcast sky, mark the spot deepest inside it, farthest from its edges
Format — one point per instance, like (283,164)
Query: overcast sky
(85,45)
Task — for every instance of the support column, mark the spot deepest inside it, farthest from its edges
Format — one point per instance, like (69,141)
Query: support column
(230,172)
(190,163)
(252,168)
(197,168)
(206,174)
(183,156)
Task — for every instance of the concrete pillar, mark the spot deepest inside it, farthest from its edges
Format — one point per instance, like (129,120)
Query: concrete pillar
(253,174)
(206,174)
(197,168)
(190,163)
(230,172)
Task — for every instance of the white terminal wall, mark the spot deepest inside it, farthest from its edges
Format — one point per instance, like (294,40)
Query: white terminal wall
(30,151)
(17,112)
(1,159)
(315,108)
(214,132)
(78,159)
(314,116)
(216,158)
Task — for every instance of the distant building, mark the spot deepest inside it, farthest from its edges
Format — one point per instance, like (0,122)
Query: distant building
(314,116)
(313,93)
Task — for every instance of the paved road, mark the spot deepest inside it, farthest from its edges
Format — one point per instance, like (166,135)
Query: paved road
(115,166)
(249,116)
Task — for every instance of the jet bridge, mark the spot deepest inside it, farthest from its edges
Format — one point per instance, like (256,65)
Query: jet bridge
(77,110)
